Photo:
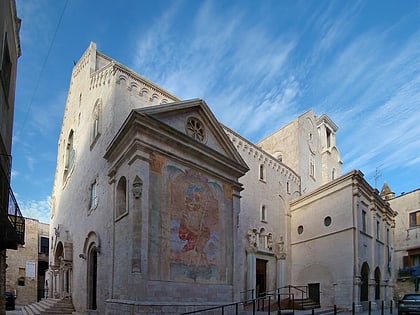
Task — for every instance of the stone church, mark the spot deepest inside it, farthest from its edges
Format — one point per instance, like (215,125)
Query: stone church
(159,208)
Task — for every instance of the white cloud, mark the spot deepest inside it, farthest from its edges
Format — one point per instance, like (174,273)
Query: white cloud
(36,209)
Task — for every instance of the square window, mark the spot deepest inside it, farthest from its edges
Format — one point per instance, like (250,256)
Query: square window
(414,219)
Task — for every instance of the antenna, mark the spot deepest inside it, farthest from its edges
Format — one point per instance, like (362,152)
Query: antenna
(377,175)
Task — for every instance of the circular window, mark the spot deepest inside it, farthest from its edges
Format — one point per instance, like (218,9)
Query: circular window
(327,221)
(195,129)
(300,229)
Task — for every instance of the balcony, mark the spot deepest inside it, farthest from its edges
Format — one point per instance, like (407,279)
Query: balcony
(12,223)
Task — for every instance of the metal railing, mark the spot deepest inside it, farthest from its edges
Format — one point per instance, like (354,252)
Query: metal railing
(11,220)
(269,302)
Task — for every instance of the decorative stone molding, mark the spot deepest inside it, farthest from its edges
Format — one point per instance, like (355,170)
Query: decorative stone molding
(137,188)
(259,240)
(262,156)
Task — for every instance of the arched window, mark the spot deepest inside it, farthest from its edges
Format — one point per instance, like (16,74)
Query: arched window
(96,120)
(263,213)
(121,198)
(262,172)
(70,154)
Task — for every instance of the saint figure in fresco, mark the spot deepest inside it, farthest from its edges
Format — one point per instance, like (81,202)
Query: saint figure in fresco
(193,227)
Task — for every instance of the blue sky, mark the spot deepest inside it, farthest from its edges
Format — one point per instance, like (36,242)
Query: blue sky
(257,64)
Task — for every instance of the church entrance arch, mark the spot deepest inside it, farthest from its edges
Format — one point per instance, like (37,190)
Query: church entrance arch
(364,276)
(61,270)
(91,249)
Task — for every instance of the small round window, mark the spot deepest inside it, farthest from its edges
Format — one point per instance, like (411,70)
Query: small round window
(327,221)
(300,229)
(195,129)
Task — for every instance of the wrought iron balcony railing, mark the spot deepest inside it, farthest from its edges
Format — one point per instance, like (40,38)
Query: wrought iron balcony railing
(12,223)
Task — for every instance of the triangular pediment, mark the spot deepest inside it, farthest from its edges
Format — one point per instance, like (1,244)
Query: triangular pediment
(194,119)
(186,127)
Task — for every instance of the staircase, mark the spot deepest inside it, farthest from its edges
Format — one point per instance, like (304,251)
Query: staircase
(306,304)
(50,307)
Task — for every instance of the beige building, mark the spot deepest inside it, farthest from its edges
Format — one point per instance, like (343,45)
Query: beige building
(407,237)
(342,236)
(175,211)
(25,274)
(12,225)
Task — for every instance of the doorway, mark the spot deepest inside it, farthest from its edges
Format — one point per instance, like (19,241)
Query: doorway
(92,278)
(364,277)
(261,277)
(313,292)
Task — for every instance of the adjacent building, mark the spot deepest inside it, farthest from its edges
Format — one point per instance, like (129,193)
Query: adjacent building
(12,225)
(342,238)
(25,274)
(407,238)
(175,211)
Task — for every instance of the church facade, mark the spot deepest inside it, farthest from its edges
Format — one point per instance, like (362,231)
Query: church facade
(159,208)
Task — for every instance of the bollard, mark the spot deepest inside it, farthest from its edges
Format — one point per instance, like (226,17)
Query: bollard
(370,307)
(390,307)
(352,309)
(335,309)
(313,311)
(382,307)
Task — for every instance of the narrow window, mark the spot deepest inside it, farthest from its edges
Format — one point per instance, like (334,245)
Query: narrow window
(44,244)
(328,137)
(95,126)
(96,120)
(262,172)
(378,230)
(263,213)
(288,187)
(6,67)
(93,196)
(312,166)
(121,206)
(70,154)
(333,174)
(364,221)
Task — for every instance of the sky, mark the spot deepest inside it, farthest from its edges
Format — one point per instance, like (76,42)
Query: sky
(257,64)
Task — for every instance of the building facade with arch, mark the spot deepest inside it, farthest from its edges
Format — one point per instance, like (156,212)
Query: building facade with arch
(159,208)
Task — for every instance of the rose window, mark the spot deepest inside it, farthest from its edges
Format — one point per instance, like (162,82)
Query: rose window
(195,129)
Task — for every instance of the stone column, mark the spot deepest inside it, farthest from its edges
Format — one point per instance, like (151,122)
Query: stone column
(251,260)
(55,284)
(281,258)
(137,224)
(372,288)
(356,293)
(50,283)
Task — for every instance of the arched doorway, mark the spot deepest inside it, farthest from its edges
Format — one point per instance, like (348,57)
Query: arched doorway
(377,283)
(61,271)
(92,277)
(364,289)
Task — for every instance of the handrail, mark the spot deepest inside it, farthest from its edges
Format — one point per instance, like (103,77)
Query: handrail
(255,304)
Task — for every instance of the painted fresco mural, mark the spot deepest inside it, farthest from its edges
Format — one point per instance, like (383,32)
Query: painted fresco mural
(195,239)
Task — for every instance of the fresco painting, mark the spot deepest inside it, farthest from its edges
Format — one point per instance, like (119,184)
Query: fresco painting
(195,226)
